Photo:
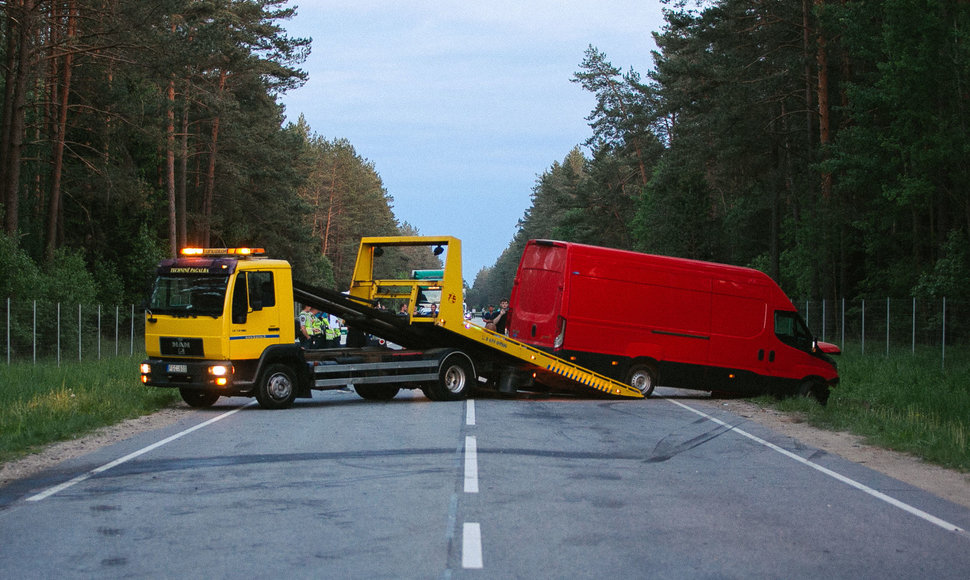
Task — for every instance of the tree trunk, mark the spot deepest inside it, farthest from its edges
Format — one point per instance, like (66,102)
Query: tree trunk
(170,169)
(210,176)
(181,209)
(324,247)
(20,60)
(824,114)
(809,93)
(60,135)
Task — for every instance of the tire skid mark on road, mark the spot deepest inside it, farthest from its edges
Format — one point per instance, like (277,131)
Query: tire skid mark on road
(833,474)
(89,474)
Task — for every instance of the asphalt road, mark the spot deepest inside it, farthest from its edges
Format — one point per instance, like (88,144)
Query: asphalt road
(339,487)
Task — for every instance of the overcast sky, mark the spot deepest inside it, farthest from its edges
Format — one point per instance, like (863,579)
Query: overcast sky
(460,105)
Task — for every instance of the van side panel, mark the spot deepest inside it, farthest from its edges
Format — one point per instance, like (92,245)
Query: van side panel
(635,308)
(739,324)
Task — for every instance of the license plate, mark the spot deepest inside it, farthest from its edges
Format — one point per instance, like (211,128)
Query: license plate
(178,368)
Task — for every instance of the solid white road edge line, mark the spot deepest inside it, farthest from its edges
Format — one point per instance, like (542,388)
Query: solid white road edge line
(471,545)
(471,465)
(861,487)
(84,476)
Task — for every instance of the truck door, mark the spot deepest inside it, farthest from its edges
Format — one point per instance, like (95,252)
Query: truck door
(255,323)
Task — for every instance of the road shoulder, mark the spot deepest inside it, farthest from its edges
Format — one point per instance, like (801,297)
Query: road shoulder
(948,484)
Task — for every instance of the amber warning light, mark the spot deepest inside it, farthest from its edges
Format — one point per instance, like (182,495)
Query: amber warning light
(223,251)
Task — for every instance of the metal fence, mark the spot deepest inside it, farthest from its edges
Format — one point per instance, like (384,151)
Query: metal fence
(36,330)
(890,325)
(41,331)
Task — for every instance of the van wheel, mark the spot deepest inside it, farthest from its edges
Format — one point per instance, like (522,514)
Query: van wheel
(277,389)
(455,378)
(816,389)
(376,392)
(197,398)
(642,377)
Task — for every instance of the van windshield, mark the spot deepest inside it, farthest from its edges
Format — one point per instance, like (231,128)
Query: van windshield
(189,295)
(792,330)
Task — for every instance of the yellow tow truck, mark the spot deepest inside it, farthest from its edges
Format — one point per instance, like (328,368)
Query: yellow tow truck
(223,322)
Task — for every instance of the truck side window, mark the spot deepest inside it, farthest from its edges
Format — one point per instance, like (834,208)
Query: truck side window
(240,300)
(791,330)
(261,292)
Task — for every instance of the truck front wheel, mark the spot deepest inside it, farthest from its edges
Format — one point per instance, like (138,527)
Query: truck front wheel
(277,388)
(455,379)
(642,377)
(197,398)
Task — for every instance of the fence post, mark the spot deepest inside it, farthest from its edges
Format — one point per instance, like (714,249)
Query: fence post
(33,338)
(117,313)
(58,334)
(843,324)
(79,337)
(131,348)
(823,318)
(914,325)
(887,326)
(943,351)
(863,326)
(99,332)
(8,331)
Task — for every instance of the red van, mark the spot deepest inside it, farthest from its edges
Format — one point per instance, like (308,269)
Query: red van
(650,320)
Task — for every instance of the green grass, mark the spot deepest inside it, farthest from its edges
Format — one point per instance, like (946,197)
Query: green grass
(905,402)
(44,403)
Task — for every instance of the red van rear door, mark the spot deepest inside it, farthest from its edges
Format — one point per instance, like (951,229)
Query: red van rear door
(537,294)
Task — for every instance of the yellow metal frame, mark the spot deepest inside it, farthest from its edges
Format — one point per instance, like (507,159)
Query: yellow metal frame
(365,286)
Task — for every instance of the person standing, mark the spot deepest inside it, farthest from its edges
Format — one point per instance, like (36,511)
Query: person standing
(306,322)
(501,318)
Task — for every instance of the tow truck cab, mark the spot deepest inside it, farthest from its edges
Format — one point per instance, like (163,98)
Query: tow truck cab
(215,319)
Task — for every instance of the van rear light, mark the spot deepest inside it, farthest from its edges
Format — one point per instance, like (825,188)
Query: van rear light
(560,337)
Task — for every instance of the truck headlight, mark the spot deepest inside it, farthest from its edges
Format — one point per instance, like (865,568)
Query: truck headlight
(219,370)
(221,374)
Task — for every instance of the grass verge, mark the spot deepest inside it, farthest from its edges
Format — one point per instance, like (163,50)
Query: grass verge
(904,402)
(44,403)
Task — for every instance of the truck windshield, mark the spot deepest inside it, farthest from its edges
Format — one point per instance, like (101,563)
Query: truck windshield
(189,295)
(792,330)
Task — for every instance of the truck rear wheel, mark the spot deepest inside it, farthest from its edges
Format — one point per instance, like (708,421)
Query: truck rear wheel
(377,392)
(642,377)
(455,379)
(199,399)
(277,388)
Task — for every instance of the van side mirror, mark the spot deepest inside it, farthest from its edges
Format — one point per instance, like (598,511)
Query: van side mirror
(826,347)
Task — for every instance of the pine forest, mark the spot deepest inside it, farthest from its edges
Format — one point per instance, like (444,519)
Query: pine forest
(823,142)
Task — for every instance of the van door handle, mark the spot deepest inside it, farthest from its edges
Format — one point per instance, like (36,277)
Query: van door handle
(761,354)
(276,328)
(771,356)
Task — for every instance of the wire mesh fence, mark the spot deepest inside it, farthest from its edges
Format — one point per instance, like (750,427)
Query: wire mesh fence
(37,331)
(41,331)
(890,325)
